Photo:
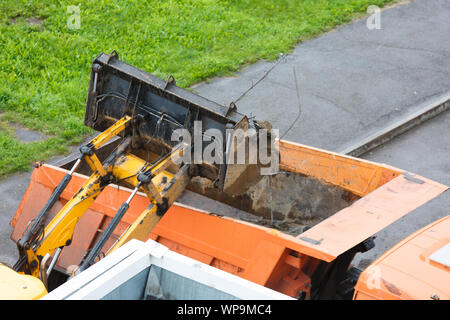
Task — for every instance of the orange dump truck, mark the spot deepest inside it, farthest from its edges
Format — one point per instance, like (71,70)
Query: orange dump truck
(295,231)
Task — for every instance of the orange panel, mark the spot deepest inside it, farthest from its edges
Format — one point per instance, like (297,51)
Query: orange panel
(224,238)
(83,235)
(372,213)
(407,270)
(355,175)
(264,260)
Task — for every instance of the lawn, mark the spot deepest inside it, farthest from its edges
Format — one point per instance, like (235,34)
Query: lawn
(45,65)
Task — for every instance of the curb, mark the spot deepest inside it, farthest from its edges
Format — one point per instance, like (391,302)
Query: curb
(425,111)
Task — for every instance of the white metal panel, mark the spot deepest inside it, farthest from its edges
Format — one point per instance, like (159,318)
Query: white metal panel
(210,276)
(442,256)
(122,265)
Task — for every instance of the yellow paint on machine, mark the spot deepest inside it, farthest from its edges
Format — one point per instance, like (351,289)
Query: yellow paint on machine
(20,286)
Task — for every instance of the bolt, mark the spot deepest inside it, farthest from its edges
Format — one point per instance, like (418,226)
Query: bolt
(33,264)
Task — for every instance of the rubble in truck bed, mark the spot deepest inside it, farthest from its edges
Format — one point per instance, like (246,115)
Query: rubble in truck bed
(287,201)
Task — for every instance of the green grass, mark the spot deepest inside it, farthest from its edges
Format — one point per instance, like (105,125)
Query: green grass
(44,68)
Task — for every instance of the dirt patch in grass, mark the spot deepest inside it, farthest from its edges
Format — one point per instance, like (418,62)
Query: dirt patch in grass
(35,21)
(396,4)
(32,21)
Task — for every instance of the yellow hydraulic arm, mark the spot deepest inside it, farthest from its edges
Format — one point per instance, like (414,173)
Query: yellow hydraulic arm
(39,242)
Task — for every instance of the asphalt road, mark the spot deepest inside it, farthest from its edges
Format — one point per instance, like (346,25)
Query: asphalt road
(11,192)
(424,150)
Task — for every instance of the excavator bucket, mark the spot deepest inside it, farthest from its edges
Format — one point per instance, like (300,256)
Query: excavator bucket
(160,108)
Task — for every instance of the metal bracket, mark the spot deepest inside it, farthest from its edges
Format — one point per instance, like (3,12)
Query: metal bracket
(112,56)
(316,242)
(170,81)
(231,108)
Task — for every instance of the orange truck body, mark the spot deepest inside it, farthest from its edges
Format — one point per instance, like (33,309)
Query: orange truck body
(416,268)
(264,255)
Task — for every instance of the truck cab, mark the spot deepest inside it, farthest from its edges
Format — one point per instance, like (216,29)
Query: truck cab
(417,268)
